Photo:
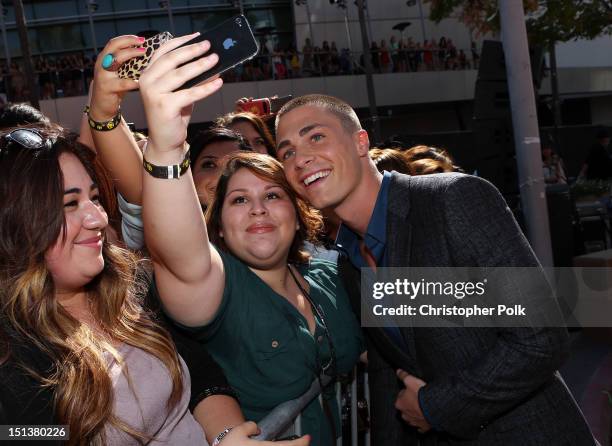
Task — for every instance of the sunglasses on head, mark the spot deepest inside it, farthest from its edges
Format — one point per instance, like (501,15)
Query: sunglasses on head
(28,139)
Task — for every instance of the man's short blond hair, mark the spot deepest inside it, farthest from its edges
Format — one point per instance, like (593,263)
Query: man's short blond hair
(344,112)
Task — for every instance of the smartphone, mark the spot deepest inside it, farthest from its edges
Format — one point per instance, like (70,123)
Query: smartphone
(259,107)
(232,41)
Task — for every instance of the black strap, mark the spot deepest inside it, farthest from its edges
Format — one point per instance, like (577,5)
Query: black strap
(319,313)
(332,351)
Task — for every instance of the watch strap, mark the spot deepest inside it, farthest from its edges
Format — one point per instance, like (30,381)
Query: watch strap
(174,171)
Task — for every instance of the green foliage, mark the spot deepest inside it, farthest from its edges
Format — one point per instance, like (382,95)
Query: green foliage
(547,20)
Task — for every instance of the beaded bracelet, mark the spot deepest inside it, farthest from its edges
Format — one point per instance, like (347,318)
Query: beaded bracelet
(221,436)
(104,126)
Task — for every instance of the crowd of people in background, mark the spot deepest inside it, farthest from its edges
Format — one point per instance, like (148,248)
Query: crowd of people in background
(397,55)
(57,76)
(70,74)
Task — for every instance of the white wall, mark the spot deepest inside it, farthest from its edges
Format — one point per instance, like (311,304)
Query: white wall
(585,53)
(391,89)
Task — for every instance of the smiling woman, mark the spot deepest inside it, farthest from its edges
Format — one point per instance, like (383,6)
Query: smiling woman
(249,180)
(69,299)
(274,319)
(73,329)
(76,257)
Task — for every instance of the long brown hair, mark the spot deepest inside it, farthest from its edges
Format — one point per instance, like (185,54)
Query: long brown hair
(31,220)
(268,169)
(390,159)
(425,160)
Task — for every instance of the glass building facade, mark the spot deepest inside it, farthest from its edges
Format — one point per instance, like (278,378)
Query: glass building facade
(58,27)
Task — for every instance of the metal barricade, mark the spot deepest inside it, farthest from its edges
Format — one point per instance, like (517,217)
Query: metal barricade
(354,438)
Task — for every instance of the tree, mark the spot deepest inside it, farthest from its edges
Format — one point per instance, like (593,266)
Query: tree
(547,21)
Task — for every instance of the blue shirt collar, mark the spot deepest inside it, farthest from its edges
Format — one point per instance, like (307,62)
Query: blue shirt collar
(375,237)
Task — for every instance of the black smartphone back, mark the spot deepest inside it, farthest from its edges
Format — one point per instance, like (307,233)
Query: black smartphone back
(232,41)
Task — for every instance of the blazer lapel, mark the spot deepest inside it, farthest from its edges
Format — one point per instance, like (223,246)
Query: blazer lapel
(399,230)
(399,237)
(387,348)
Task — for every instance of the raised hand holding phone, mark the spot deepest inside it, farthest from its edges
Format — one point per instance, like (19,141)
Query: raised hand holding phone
(168,111)
(108,89)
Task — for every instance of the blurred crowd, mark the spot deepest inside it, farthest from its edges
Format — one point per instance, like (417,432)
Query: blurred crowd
(57,76)
(70,74)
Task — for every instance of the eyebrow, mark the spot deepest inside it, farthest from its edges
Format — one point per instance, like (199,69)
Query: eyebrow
(268,187)
(77,190)
(302,132)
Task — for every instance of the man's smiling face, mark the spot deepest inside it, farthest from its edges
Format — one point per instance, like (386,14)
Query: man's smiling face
(320,156)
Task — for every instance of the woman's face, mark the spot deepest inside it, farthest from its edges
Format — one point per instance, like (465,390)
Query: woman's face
(74,260)
(208,166)
(249,132)
(258,220)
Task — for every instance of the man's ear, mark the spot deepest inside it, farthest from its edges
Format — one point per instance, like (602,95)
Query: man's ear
(362,141)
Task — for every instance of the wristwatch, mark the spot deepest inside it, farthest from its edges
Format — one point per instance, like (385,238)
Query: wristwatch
(167,172)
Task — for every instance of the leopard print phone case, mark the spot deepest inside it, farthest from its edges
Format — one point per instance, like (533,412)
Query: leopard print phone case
(133,67)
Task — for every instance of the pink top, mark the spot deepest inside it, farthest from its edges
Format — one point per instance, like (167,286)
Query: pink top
(141,403)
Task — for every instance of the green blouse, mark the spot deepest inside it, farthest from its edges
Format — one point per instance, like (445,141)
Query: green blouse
(266,350)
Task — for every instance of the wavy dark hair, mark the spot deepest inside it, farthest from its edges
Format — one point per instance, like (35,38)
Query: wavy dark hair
(390,159)
(268,169)
(425,160)
(31,221)
(213,135)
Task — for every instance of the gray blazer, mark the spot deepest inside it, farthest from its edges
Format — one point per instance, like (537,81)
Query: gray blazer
(485,386)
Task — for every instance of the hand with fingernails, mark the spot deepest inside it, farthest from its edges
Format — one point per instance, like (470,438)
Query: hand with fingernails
(239,436)
(108,88)
(168,111)
(407,401)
